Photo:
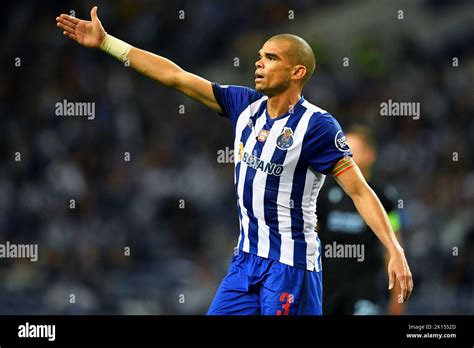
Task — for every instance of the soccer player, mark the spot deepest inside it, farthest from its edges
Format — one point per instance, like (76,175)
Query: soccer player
(285,146)
(340,225)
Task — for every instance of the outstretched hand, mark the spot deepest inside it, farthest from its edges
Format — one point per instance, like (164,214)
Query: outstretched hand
(87,33)
(398,269)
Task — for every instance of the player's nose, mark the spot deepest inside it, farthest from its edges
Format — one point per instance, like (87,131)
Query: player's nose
(259,64)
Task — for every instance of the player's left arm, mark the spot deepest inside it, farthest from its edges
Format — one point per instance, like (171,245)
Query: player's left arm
(350,178)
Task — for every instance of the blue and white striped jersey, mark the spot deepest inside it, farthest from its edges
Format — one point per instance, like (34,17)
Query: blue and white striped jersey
(280,166)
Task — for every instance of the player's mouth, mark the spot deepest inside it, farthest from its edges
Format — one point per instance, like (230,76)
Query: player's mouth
(258,77)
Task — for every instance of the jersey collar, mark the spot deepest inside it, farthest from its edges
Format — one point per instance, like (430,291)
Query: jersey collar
(295,109)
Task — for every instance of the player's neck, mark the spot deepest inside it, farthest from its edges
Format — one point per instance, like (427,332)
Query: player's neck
(281,104)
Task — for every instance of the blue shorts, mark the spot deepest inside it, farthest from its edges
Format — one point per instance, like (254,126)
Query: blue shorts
(258,286)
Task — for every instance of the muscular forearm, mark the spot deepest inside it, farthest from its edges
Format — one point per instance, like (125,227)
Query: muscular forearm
(92,34)
(372,211)
(162,70)
(154,66)
(149,64)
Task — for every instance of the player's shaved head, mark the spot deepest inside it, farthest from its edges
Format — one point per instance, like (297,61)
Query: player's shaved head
(299,52)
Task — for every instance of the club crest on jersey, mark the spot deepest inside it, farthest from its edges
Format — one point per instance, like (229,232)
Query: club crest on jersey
(340,142)
(262,135)
(285,139)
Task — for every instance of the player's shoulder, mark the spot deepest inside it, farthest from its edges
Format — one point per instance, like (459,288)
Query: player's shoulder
(239,90)
(320,120)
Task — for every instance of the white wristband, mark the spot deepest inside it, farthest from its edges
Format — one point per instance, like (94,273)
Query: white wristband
(115,47)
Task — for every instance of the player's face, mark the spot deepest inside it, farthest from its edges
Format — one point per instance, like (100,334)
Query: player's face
(362,153)
(273,68)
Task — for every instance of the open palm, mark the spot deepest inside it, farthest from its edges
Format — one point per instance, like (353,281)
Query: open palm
(87,33)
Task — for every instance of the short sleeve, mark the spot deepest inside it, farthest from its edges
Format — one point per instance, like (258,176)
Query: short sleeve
(234,99)
(326,144)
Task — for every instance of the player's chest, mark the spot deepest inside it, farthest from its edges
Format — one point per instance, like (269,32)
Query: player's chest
(270,147)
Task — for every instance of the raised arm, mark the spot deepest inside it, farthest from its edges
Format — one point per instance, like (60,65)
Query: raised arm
(92,34)
(367,203)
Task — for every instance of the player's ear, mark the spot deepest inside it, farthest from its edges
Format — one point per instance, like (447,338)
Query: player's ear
(299,72)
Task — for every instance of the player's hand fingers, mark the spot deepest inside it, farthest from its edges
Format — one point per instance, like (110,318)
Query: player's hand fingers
(410,284)
(402,279)
(391,280)
(66,28)
(66,23)
(70,35)
(69,18)
(94,14)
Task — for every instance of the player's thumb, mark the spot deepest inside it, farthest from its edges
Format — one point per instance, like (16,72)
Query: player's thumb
(391,280)
(94,14)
